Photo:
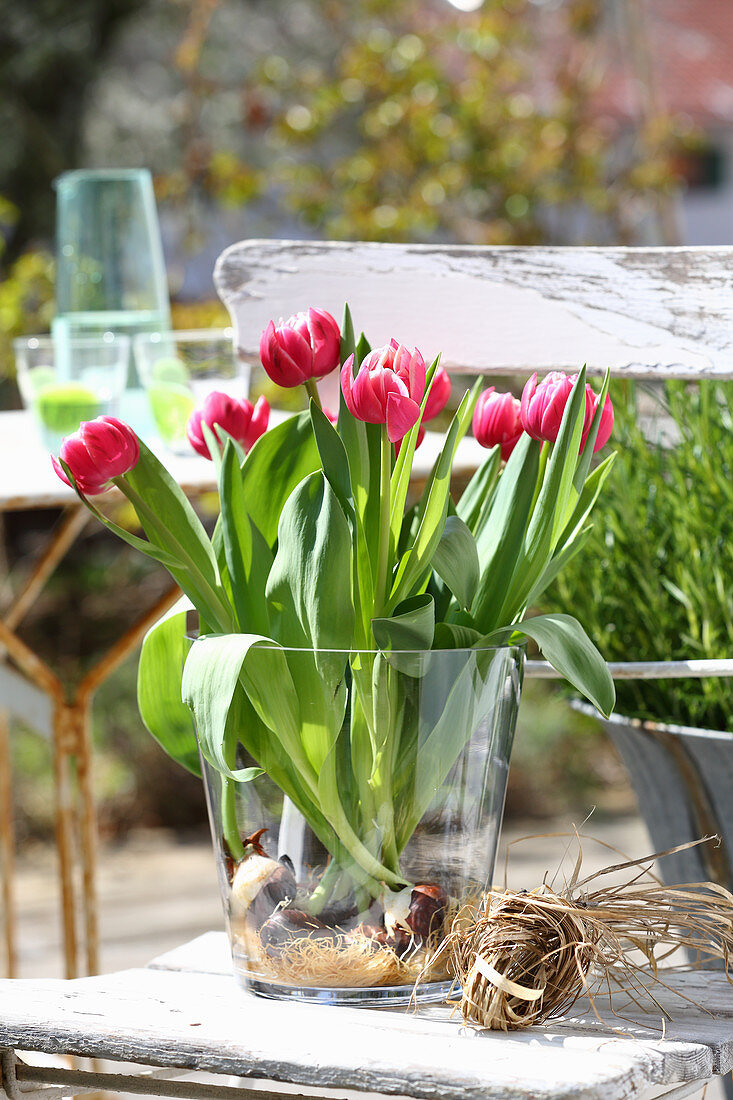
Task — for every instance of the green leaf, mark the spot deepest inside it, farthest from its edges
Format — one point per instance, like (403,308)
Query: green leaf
(585,459)
(333,458)
(348,341)
(363,347)
(418,557)
(409,629)
(247,557)
(454,636)
(144,546)
(181,544)
(170,522)
(500,541)
(567,647)
(167,516)
(558,562)
(400,482)
(479,490)
(309,587)
(549,514)
(211,675)
(159,676)
(236,533)
(587,499)
(279,461)
(462,690)
(353,434)
(456,560)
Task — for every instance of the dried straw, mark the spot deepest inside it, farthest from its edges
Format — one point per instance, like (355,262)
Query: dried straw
(351,959)
(523,958)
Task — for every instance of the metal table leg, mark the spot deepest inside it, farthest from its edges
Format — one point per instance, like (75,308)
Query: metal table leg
(72,738)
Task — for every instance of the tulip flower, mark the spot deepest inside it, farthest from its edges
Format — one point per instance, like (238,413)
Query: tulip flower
(305,347)
(496,421)
(543,405)
(239,419)
(437,400)
(100,450)
(388,388)
(438,396)
(606,425)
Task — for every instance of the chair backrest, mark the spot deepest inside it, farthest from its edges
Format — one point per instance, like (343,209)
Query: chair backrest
(646,312)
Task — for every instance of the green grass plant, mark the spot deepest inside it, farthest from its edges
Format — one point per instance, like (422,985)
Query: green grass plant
(654,582)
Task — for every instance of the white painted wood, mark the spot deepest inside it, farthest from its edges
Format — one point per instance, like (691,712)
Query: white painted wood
(206,1022)
(659,312)
(206,954)
(644,670)
(32,483)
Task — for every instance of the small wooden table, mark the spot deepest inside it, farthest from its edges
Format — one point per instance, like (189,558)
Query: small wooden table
(185,1013)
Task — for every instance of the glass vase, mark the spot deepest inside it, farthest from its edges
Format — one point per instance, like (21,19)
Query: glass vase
(341,875)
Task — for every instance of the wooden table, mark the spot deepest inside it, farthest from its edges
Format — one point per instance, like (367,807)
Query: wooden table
(186,1013)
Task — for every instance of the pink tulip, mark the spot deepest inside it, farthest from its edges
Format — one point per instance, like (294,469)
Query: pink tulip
(606,425)
(496,421)
(100,450)
(437,400)
(543,406)
(388,388)
(307,345)
(438,396)
(239,419)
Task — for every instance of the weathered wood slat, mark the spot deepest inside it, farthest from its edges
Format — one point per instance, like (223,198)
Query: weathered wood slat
(645,670)
(204,1021)
(646,312)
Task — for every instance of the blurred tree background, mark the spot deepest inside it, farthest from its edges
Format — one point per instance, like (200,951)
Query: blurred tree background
(377,120)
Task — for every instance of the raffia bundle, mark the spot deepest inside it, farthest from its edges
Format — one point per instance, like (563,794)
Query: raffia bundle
(523,958)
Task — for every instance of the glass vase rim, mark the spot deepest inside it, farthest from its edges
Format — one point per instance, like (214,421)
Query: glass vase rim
(372,652)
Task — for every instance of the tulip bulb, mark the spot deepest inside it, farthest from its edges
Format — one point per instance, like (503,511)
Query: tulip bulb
(249,878)
(260,886)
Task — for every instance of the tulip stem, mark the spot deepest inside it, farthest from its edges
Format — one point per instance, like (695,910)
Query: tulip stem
(312,391)
(385,508)
(229,825)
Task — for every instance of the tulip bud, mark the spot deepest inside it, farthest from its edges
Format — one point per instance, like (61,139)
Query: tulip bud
(438,395)
(100,450)
(239,419)
(606,425)
(543,405)
(437,400)
(496,421)
(307,345)
(388,388)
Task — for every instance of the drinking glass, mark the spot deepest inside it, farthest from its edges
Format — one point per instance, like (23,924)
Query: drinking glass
(66,381)
(178,370)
